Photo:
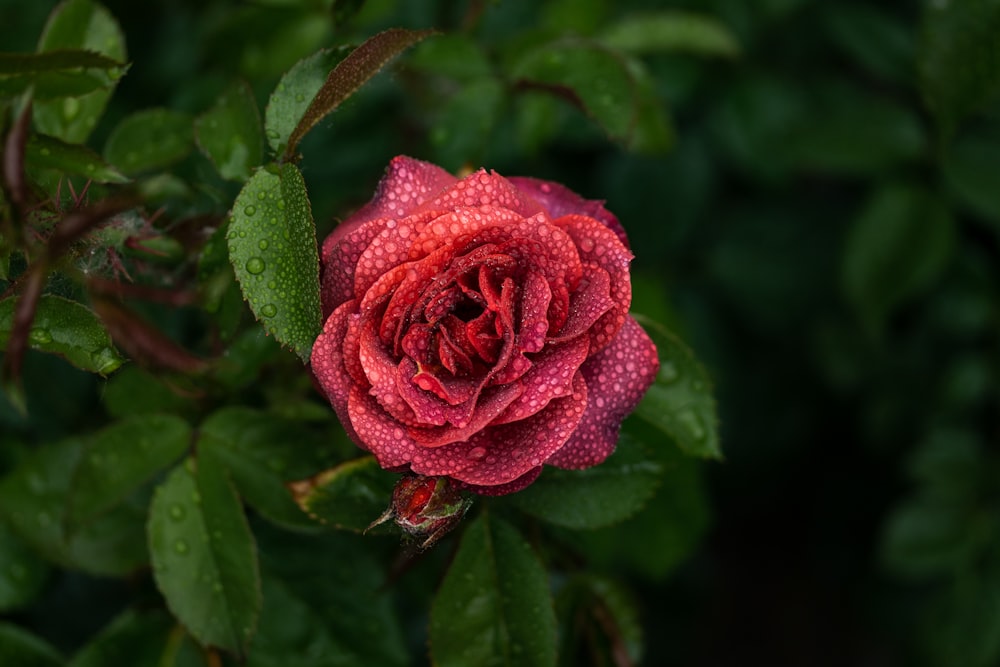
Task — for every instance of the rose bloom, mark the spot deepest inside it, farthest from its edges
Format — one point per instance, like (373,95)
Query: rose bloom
(478,328)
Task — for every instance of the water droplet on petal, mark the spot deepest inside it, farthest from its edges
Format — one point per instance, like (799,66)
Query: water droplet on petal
(255,265)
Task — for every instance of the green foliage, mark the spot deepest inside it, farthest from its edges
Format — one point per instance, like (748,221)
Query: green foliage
(811,193)
(203,555)
(272,245)
(494,606)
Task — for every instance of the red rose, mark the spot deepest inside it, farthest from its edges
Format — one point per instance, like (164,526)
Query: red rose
(478,328)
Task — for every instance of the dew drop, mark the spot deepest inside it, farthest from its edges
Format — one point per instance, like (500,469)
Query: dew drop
(668,373)
(255,265)
(273,134)
(476,453)
(269,310)
(693,423)
(250,210)
(181,547)
(262,244)
(177,512)
(261,196)
(40,336)
(587,244)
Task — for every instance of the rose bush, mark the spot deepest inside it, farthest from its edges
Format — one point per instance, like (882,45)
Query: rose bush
(478,328)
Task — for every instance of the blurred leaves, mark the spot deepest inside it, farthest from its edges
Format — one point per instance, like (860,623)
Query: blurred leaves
(671,31)
(230,133)
(150,140)
(78,24)
(897,246)
(959,58)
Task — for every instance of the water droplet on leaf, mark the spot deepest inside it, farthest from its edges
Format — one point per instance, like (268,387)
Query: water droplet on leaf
(668,373)
(269,310)
(177,512)
(693,424)
(255,265)
(262,244)
(40,336)
(250,210)
(181,547)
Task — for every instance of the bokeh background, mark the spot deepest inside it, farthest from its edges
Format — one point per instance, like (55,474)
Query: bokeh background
(814,205)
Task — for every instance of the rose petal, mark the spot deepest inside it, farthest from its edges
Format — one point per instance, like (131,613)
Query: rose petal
(551,376)
(500,454)
(406,185)
(327,365)
(491,403)
(591,299)
(617,377)
(599,246)
(340,257)
(503,489)
(380,434)
(533,325)
(559,200)
(484,188)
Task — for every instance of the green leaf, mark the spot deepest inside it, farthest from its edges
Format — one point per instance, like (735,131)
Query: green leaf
(875,38)
(78,24)
(294,93)
(121,458)
(596,78)
(680,402)
(57,73)
(959,58)
(325,603)
(605,612)
(230,133)
(133,391)
(350,496)
(23,649)
(22,573)
(925,537)
(972,173)
(853,132)
(671,31)
(351,73)
(262,452)
(138,639)
(68,329)
(149,140)
(455,56)
(963,626)
(494,606)
(595,497)
(51,153)
(898,246)
(272,247)
(466,121)
(204,560)
(665,532)
(33,499)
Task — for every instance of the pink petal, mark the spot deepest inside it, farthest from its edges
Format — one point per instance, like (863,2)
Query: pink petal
(599,246)
(551,376)
(378,432)
(327,364)
(406,185)
(484,188)
(534,307)
(503,489)
(591,299)
(340,256)
(559,200)
(617,377)
(500,455)
(491,403)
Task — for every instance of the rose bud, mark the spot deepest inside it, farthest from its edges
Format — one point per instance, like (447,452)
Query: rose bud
(478,328)
(425,507)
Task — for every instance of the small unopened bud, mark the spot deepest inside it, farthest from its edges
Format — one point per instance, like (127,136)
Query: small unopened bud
(425,507)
